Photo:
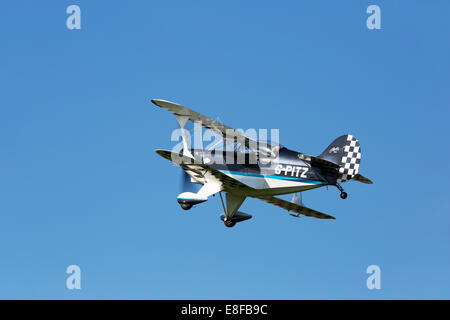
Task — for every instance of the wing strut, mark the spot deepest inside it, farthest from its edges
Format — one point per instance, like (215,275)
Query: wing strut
(223,205)
(182,120)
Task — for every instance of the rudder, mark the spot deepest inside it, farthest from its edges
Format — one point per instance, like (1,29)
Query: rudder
(344,151)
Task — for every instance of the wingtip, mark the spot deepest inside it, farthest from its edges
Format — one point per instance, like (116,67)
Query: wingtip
(163,103)
(159,101)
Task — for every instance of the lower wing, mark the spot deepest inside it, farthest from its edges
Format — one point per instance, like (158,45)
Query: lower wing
(290,206)
(228,184)
(231,185)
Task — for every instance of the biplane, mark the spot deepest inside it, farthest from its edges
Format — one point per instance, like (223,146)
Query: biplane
(263,172)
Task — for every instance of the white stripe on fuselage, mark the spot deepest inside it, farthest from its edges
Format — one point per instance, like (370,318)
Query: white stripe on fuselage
(264,182)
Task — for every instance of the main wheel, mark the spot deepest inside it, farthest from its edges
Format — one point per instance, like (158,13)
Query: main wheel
(343,195)
(229,223)
(186,206)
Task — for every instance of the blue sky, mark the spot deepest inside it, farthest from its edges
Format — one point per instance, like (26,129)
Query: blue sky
(80,182)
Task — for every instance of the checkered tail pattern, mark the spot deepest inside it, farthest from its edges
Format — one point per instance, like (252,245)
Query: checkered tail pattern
(351,158)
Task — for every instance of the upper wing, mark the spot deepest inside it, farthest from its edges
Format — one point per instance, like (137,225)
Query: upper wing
(290,206)
(226,132)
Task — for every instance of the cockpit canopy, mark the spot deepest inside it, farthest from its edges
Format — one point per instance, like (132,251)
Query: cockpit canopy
(262,149)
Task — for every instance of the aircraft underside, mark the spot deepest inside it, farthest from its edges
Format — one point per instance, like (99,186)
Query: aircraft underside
(272,186)
(255,186)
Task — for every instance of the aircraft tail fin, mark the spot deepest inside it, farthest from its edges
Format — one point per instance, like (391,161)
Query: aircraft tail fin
(344,151)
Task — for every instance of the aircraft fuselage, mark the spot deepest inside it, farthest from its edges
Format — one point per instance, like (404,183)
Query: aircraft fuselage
(283,174)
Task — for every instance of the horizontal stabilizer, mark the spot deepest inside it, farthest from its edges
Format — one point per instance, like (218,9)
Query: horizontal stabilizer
(362,179)
(318,162)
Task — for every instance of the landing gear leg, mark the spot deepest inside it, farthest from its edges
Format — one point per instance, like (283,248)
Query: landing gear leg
(227,222)
(343,193)
(233,202)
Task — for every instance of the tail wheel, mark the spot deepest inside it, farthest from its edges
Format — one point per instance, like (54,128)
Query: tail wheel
(229,223)
(343,193)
